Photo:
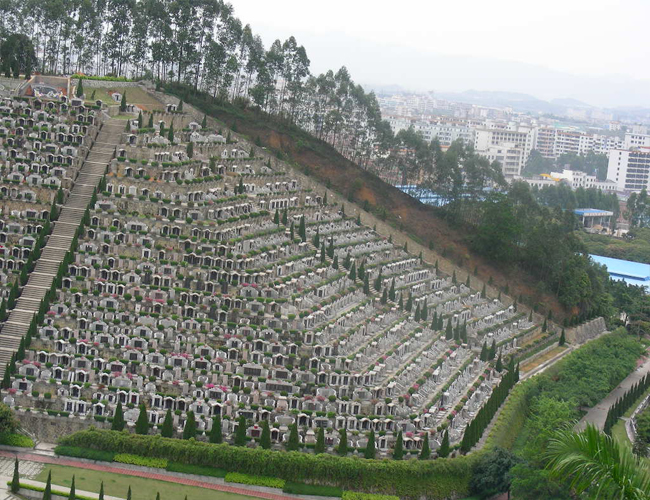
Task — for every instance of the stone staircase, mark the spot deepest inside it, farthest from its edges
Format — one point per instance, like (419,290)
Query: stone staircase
(60,240)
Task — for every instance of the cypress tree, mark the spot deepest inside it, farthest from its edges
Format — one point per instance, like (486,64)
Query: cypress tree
(276,217)
(361,272)
(417,316)
(128,494)
(47,493)
(409,302)
(118,419)
(285,217)
(366,285)
(425,453)
(316,240)
(370,447)
(449,334)
(320,441)
(434,321)
(467,283)
(302,230)
(484,352)
(204,123)
(453,278)
(215,433)
(424,314)
(544,326)
(293,444)
(493,350)
(443,451)
(190,426)
(6,379)
(384,296)
(562,338)
(73,494)
(190,152)
(335,262)
(398,451)
(15,480)
(499,366)
(140,119)
(240,433)
(265,439)
(291,232)
(391,293)
(170,134)
(463,333)
(123,103)
(142,424)
(80,88)
(353,271)
(150,123)
(101,491)
(167,429)
(484,291)
(330,249)
(400,304)
(323,253)
(342,448)
(180,106)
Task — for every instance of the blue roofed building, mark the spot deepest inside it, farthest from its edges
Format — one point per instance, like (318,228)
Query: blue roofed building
(633,273)
(595,220)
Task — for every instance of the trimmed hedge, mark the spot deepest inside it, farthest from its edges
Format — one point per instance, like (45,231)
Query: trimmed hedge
(19,440)
(312,489)
(79,452)
(128,458)
(353,495)
(195,469)
(239,478)
(433,479)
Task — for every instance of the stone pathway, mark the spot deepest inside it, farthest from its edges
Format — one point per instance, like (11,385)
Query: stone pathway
(40,459)
(598,414)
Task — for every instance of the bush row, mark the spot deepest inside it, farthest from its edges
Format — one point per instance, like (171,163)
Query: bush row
(238,477)
(88,453)
(128,458)
(19,440)
(41,489)
(296,488)
(433,479)
(201,470)
(353,495)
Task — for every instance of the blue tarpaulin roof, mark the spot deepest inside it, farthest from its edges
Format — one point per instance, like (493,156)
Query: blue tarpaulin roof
(633,273)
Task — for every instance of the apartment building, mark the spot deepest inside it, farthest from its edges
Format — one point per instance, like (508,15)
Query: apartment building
(630,169)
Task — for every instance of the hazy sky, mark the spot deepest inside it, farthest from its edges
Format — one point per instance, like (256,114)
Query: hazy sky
(583,38)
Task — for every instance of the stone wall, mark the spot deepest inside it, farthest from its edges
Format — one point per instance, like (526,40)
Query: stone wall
(50,428)
(586,331)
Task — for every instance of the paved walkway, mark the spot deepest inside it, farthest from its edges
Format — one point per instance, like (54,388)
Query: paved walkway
(160,476)
(598,414)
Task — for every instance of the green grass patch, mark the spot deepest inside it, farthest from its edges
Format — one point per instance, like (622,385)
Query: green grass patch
(117,485)
(127,458)
(312,489)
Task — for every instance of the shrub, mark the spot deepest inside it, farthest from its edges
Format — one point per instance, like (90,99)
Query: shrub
(238,477)
(53,491)
(312,489)
(201,470)
(354,495)
(127,458)
(79,452)
(435,479)
(16,440)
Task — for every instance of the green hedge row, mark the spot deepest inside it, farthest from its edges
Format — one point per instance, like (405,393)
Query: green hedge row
(88,453)
(53,491)
(312,489)
(19,440)
(353,495)
(239,478)
(195,469)
(128,458)
(433,479)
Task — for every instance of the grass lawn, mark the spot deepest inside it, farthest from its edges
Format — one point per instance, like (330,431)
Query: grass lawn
(531,365)
(134,95)
(141,488)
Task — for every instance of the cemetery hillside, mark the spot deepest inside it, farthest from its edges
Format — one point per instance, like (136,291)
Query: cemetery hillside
(203,274)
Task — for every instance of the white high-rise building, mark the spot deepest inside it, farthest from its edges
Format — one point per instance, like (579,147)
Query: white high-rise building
(629,169)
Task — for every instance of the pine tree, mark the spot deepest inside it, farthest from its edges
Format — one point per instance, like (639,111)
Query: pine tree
(398,451)
(128,494)
(285,217)
(425,453)
(292,232)
(15,481)
(391,293)
(47,493)
(316,239)
(443,451)
(6,379)
(384,296)
(562,338)
(265,439)
(170,134)
(330,248)
(101,491)
(366,285)
(240,187)
(276,217)
(400,304)
(493,350)
(499,366)
(190,426)
(323,253)
(353,271)
(73,494)
(370,451)
(434,321)
(240,433)
(361,272)
(302,230)
(463,333)
(417,313)
(80,88)
(335,262)
(293,443)
(409,302)
(215,433)
(142,424)
(118,419)
(449,333)
(150,124)
(484,352)
(167,429)
(320,441)
(123,103)
(424,314)
(342,448)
